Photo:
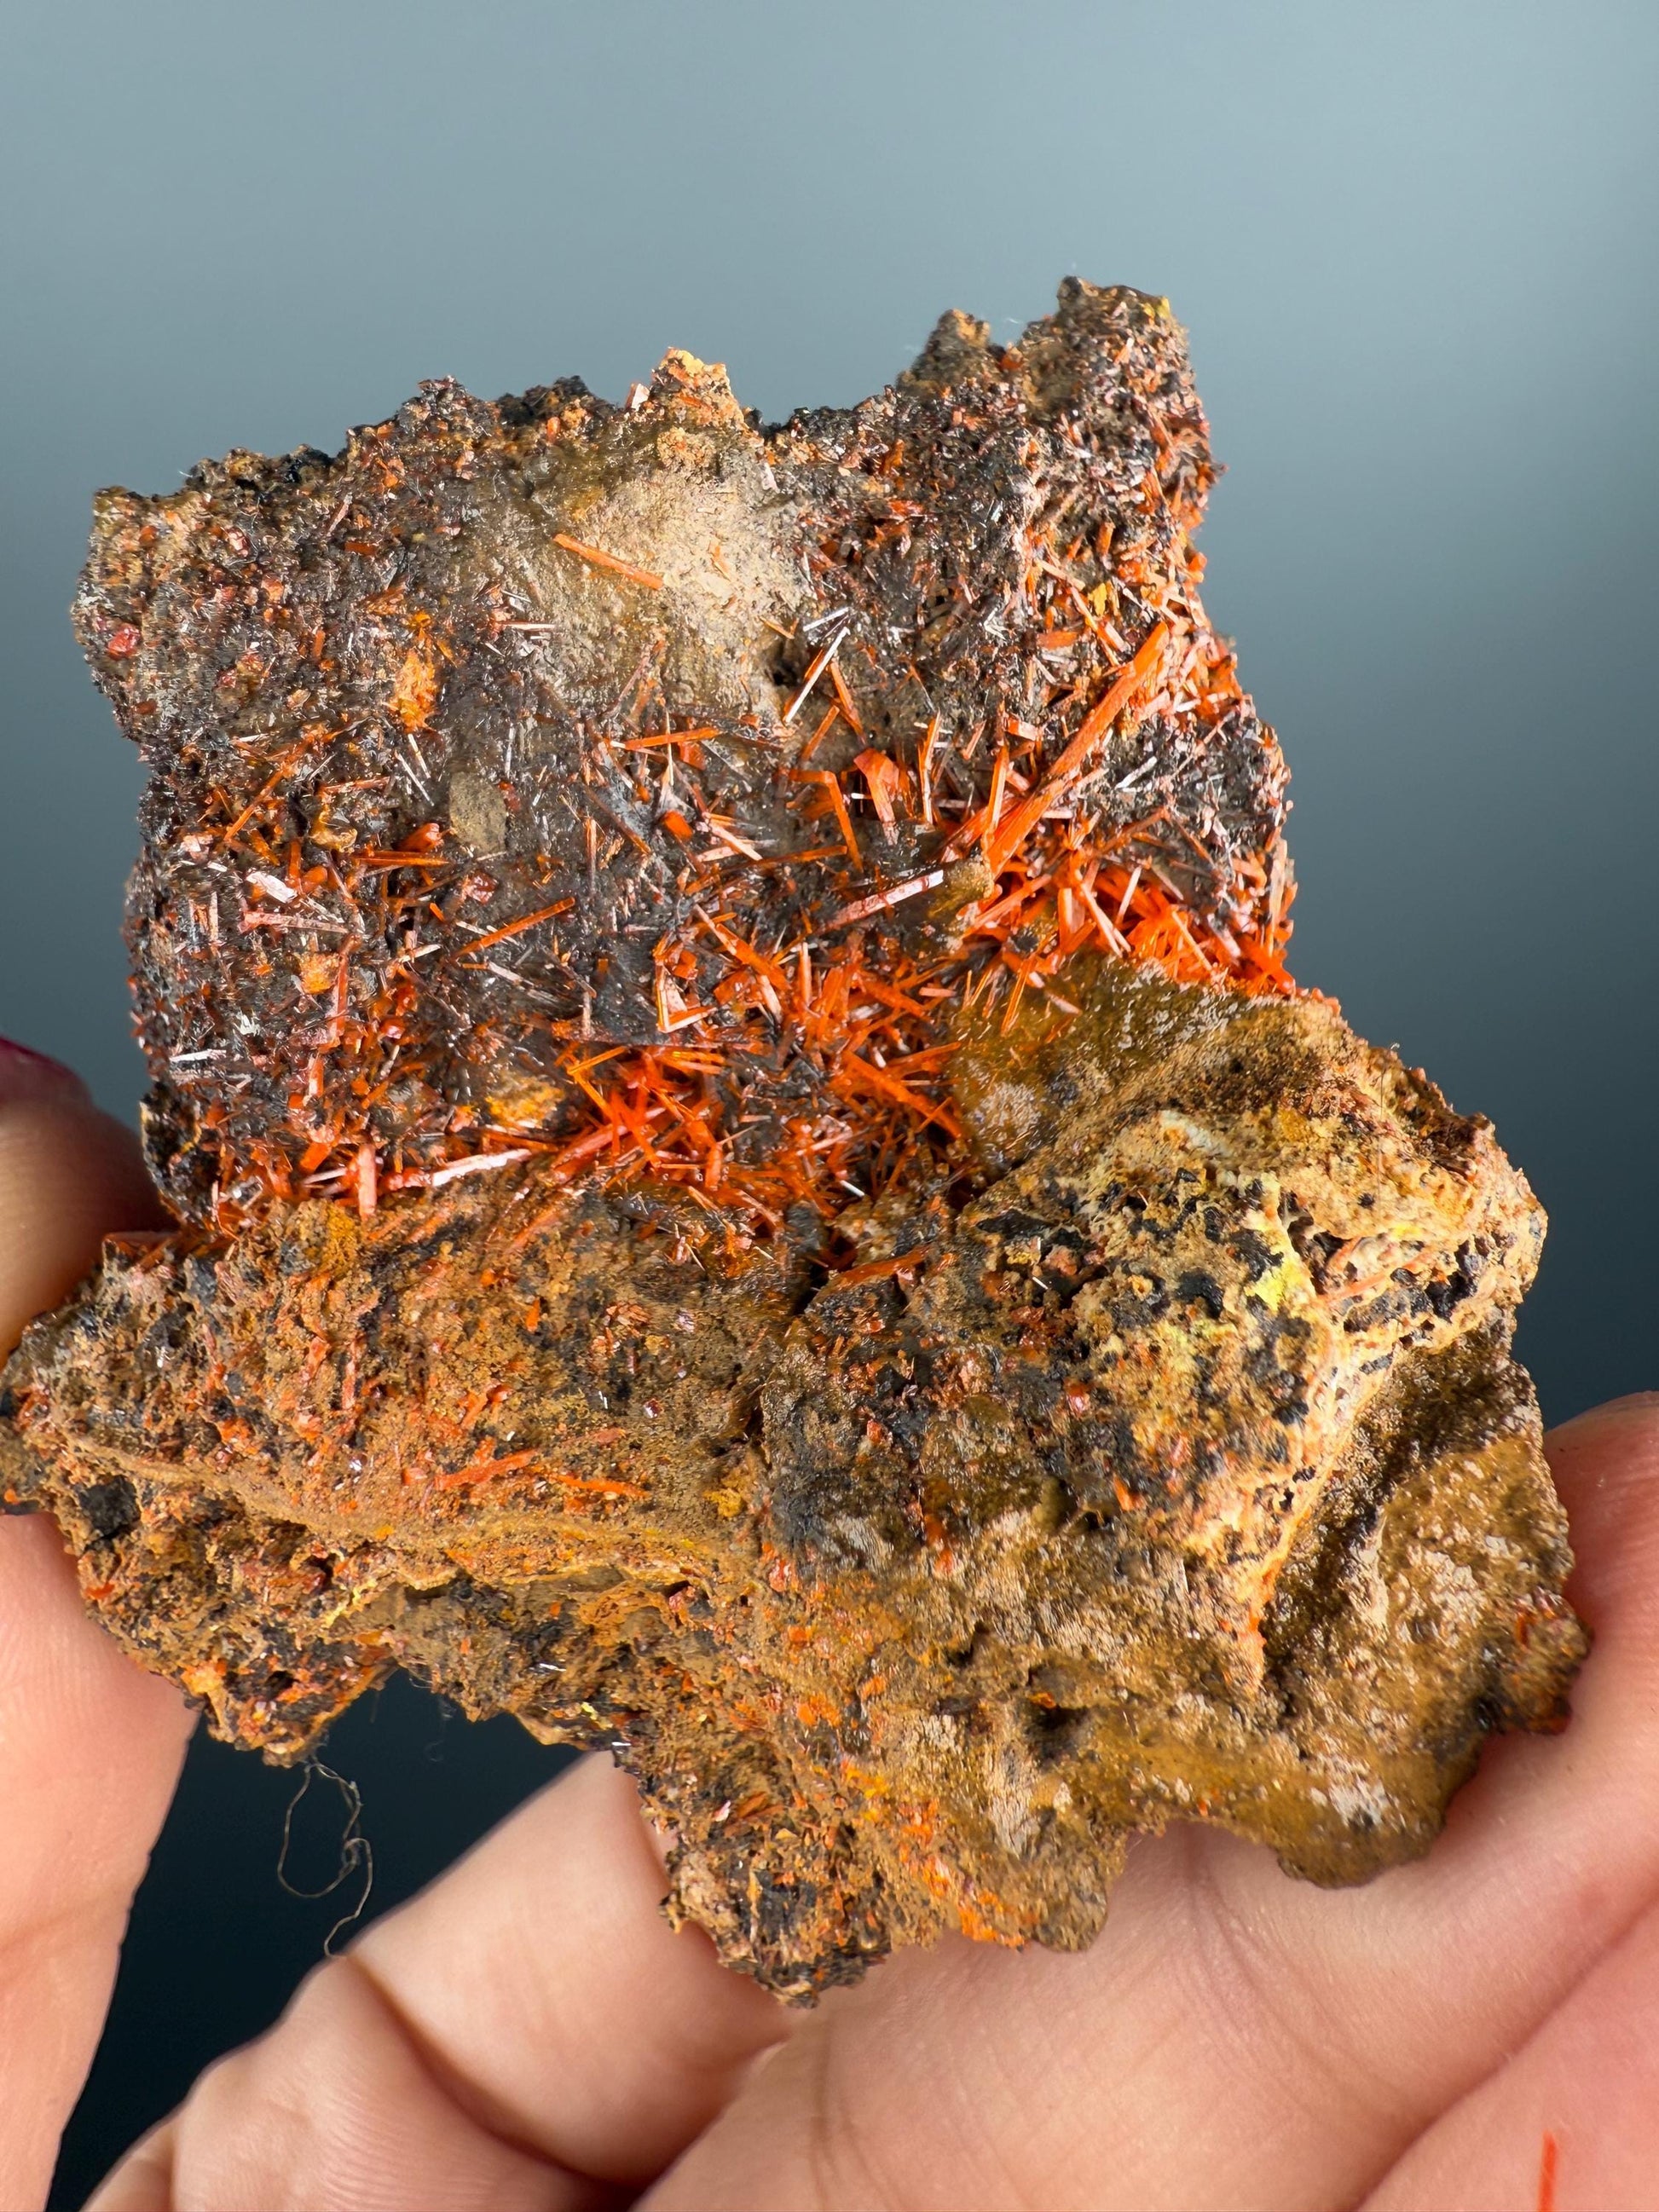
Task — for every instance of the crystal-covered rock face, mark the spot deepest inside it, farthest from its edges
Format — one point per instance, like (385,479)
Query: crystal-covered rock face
(753,1186)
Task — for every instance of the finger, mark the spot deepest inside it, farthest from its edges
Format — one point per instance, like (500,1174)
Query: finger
(584,2023)
(1572,2120)
(89,1746)
(68,1174)
(529,2032)
(340,2108)
(1235,2038)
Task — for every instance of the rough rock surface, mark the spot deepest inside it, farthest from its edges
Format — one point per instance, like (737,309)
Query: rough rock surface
(753,1186)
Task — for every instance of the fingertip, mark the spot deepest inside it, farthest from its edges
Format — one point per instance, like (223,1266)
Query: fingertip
(681,1962)
(1606,1466)
(1618,1426)
(68,1174)
(26,1073)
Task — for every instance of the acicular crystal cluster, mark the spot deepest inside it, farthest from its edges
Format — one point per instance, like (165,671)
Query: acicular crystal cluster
(753,1186)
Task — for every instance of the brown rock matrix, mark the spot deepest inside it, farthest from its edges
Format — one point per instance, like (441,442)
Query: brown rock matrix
(753,1186)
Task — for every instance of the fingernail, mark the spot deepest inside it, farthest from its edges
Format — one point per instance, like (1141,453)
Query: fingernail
(28,1074)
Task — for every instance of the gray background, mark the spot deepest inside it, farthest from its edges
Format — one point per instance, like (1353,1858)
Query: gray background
(1414,245)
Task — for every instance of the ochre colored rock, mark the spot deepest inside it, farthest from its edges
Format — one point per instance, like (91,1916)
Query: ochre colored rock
(753,1187)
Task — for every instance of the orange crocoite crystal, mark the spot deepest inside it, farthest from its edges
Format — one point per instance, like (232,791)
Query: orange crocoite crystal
(752,1185)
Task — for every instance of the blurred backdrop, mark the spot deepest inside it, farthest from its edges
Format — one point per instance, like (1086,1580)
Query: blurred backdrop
(1415,247)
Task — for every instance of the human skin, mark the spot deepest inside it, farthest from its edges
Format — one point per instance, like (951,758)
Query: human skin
(530,2032)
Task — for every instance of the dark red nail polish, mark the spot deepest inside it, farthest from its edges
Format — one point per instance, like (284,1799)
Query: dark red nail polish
(25,1074)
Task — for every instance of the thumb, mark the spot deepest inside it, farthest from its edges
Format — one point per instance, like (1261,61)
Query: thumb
(89,1746)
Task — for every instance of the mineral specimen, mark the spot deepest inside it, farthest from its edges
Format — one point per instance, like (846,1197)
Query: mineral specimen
(753,1186)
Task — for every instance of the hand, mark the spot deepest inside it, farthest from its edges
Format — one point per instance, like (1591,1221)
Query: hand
(530,2034)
